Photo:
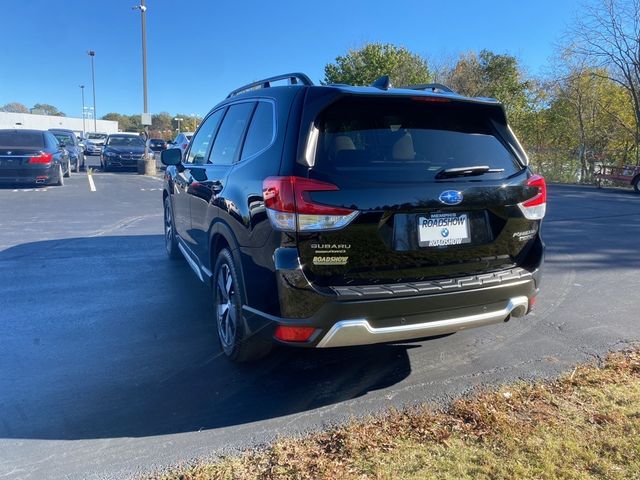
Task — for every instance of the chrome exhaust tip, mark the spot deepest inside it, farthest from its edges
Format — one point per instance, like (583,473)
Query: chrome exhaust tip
(519,310)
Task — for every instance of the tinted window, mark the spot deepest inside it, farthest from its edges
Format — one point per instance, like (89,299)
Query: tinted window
(202,141)
(408,140)
(96,136)
(229,137)
(21,139)
(66,138)
(260,131)
(125,141)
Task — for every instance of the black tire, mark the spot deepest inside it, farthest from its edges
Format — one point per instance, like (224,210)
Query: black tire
(105,167)
(636,184)
(60,181)
(67,173)
(228,297)
(170,240)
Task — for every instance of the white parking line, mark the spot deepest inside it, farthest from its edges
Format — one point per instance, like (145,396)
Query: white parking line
(92,186)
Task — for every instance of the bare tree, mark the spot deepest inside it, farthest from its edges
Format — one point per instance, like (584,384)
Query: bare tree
(607,35)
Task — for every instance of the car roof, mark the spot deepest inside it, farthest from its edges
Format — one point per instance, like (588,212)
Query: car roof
(29,130)
(360,90)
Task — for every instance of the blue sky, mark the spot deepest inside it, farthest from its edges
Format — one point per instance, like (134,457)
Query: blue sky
(199,50)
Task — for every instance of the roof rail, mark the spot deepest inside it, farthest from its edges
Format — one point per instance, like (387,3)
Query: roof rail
(431,86)
(294,79)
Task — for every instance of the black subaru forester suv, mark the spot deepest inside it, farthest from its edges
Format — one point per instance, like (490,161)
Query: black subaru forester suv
(334,215)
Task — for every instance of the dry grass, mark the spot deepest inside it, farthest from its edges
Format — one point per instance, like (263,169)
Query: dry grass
(585,425)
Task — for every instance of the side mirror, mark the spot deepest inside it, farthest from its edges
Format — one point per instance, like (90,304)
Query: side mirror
(172,156)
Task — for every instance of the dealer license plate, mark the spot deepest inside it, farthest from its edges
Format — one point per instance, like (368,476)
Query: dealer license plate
(440,229)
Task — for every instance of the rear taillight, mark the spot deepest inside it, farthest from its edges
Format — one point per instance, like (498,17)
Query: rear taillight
(42,158)
(290,208)
(184,146)
(536,206)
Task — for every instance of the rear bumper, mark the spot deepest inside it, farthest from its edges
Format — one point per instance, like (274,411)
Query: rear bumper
(31,175)
(359,332)
(346,321)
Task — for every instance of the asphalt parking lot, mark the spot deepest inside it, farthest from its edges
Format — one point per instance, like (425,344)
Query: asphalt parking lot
(109,363)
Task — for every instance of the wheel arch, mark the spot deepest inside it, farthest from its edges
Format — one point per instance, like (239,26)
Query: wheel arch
(221,236)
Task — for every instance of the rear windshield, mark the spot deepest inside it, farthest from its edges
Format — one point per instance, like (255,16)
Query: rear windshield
(125,142)
(96,136)
(22,139)
(65,138)
(408,140)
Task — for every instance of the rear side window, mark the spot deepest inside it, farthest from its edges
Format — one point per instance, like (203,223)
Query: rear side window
(408,140)
(227,143)
(21,139)
(261,131)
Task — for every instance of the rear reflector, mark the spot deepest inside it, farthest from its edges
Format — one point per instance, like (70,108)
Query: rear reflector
(293,334)
(532,303)
(290,208)
(536,207)
(42,158)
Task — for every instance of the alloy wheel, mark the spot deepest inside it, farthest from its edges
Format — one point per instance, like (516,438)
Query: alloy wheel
(226,311)
(168,227)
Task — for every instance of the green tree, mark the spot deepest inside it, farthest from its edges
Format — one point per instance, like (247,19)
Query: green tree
(373,60)
(606,35)
(14,107)
(489,74)
(46,109)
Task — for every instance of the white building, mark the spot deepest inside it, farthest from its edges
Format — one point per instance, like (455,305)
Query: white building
(45,122)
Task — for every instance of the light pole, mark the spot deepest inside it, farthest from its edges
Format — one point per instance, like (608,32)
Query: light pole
(92,54)
(178,119)
(143,17)
(84,128)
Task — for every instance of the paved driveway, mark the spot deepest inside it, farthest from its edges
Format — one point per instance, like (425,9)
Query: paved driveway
(109,364)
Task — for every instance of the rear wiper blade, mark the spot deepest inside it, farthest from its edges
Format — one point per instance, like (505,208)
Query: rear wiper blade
(467,171)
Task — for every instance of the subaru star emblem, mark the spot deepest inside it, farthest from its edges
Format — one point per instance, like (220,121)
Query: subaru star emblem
(444,232)
(450,197)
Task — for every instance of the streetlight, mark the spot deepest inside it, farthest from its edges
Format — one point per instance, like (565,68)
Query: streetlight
(178,119)
(145,117)
(92,54)
(84,128)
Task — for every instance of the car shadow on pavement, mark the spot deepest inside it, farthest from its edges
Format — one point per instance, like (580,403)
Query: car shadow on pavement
(104,337)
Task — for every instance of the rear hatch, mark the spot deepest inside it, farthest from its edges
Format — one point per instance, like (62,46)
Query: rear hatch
(393,160)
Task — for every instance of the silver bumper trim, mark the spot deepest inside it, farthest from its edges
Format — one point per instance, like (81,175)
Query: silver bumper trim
(359,332)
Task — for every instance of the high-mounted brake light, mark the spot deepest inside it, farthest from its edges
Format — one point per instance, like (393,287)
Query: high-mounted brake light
(536,207)
(431,99)
(42,158)
(290,208)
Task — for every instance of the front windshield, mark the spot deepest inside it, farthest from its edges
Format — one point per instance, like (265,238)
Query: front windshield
(125,142)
